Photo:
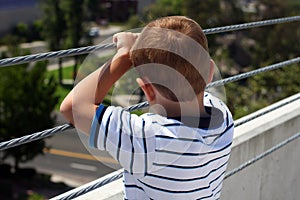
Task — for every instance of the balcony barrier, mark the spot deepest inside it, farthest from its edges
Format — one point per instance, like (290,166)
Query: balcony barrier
(117,175)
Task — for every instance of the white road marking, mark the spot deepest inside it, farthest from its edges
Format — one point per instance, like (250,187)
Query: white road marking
(83,167)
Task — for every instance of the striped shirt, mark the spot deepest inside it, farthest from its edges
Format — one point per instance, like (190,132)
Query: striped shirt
(167,158)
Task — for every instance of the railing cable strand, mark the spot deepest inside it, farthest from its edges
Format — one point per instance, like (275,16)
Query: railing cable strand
(52,54)
(88,49)
(92,187)
(53,131)
(253,72)
(279,105)
(262,155)
(250,25)
(34,136)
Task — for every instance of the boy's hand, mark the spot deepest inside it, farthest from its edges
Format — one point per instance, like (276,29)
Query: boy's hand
(124,41)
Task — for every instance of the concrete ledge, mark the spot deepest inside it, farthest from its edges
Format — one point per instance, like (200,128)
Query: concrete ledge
(277,176)
(112,191)
(265,122)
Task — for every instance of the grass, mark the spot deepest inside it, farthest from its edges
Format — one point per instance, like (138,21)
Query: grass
(67,73)
(62,90)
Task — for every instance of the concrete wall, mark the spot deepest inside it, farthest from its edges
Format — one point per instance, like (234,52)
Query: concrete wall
(277,176)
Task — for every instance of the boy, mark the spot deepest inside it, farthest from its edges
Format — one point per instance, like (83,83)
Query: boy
(180,149)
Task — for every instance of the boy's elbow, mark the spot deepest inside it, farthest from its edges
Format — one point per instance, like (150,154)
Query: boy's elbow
(66,110)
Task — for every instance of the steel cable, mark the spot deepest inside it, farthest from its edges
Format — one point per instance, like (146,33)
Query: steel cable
(89,49)
(262,155)
(34,136)
(55,130)
(84,50)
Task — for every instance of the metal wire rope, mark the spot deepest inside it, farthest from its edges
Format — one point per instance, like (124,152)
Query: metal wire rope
(83,50)
(262,155)
(52,54)
(266,111)
(253,72)
(250,25)
(88,49)
(35,136)
(53,131)
(92,187)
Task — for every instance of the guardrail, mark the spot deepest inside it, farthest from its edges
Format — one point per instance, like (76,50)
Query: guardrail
(84,50)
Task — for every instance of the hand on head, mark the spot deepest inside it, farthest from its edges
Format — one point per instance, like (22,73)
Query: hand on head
(125,40)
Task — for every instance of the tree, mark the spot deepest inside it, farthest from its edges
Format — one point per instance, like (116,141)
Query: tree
(73,15)
(26,102)
(93,9)
(268,45)
(273,44)
(163,8)
(54,27)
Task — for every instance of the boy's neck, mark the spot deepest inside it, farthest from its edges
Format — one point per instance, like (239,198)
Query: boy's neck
(170,108)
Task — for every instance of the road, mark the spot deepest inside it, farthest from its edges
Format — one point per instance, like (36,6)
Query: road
(70,161)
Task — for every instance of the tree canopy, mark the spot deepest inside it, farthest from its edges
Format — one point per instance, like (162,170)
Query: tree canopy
(241,51)
(26,102)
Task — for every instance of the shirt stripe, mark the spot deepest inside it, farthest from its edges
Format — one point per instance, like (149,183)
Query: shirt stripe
(145,146)
(190,167)
(120,137)
(96,125)
(192,154)
(191,179)
(132,148)
(106,131)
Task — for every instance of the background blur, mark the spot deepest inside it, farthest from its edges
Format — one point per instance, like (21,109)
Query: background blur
(30,94)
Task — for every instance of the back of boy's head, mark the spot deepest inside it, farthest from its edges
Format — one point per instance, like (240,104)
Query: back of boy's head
(172,53)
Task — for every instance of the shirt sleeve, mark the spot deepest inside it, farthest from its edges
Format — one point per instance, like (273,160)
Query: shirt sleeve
(125,136)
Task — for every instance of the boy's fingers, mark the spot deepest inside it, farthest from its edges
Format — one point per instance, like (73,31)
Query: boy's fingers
(125,39)
(115,37)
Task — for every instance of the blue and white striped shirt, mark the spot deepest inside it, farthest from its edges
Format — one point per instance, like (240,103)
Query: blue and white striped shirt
(166,158)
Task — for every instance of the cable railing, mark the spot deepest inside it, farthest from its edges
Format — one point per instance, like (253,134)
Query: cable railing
(84,50)
(89,49)
(50,132)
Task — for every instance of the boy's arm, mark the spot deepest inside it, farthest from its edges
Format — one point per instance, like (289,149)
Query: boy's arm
(80,104)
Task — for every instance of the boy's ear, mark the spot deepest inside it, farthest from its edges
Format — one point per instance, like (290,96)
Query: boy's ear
(211,71)
(148,89)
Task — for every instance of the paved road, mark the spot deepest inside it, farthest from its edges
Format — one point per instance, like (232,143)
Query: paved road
(69,161)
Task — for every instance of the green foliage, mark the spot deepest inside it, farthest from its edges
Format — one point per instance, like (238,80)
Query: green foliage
(12,43)
(262,90)
(35,196)
(265,45)
(163,8)
(26,103)
(92,10)
(273,44)
(22,32)
(54,23)
(73,16)
(134,21)
(67,72)
(204,12)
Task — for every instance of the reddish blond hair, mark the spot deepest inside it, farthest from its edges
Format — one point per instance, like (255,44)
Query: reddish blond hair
(145,53)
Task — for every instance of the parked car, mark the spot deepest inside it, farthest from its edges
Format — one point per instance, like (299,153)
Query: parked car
(94,32)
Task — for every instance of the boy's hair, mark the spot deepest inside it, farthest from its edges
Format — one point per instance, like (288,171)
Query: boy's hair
(167,42)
